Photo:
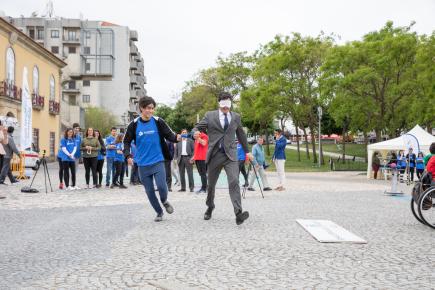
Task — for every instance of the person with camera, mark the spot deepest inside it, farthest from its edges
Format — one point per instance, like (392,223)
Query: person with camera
(259,162)
(69,148)
(149,133)
(184,156)
(10,148)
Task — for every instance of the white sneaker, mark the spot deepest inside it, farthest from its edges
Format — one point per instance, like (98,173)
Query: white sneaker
(70,188)
(76,188)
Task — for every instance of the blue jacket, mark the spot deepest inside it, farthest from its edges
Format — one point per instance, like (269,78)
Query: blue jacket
(420,163)
(280,148)
(240,152)
(258,153)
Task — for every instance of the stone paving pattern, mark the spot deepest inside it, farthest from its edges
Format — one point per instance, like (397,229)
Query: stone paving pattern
(106,238)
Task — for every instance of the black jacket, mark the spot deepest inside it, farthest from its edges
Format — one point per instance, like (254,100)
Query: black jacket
(165,132)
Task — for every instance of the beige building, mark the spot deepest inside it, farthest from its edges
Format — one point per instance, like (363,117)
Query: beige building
(17,51)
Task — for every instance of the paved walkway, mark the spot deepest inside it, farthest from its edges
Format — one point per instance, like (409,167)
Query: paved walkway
(92,239)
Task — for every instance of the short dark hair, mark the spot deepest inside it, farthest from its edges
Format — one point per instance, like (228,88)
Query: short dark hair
(278,130)
(224,96)
(432,148)
(75,125)
(11,129)
(113,128)
(145,101)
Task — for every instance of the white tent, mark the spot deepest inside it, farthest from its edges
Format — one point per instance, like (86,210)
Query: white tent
(422,138)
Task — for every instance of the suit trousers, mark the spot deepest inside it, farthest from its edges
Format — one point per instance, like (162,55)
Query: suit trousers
(215,164)
(185,165)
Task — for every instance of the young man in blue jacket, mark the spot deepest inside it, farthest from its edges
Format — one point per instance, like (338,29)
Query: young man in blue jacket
(279,158)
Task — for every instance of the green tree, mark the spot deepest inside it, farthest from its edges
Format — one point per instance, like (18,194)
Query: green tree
(99,119)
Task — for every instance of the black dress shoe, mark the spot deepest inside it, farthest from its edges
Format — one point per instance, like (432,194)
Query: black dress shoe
(181,190)
(207,214)
(191,190)
(241,217)
(267,188)
(251,189)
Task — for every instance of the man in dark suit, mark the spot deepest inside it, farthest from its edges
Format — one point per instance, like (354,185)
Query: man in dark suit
(222,127)
(184,157)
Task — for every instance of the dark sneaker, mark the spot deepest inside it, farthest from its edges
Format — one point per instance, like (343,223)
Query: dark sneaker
(251,189)
(107,184)
(159,217)
(207,214)
(112,186)
(267,189)
(122,186)
(168,207)
(181,190)
(191,190)
(201,191)
(241,217)
(2,197)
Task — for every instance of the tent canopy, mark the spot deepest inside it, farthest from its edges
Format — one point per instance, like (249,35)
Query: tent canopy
(423,138)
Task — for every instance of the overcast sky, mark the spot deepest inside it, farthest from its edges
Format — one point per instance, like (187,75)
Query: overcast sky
(179,37)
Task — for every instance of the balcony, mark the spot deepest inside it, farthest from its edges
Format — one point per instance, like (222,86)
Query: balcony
(71,114)
(133,35)
(145,80)
(71,88)
(37,102)
(133,50)
(10,91)
(132,107)
(134,94)
(71,39)
(53,107)
(133,65)
(133,79)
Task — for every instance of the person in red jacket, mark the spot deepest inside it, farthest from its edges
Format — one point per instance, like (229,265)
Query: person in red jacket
(199,156)
(431,164)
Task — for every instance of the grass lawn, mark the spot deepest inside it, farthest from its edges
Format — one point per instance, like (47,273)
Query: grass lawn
(358,150)
(306,165)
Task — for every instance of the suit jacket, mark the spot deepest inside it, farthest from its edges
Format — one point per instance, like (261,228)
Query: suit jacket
(179,148)
(215,132)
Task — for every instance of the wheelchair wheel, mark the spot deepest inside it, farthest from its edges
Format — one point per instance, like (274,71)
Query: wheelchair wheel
(414,209)
(426,207)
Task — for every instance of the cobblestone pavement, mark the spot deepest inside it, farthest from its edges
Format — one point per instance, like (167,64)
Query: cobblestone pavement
(91,239)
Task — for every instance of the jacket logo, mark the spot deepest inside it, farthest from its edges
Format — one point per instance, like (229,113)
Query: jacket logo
(146,132)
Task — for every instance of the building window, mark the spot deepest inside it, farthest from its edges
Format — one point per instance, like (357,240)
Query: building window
(52,143)
(36,139)
(86,98)
(36,80)
(71,35)
(52,88)
(71,49)
(55,49)
(86,50)
(10,65)
(72,85)
(40,34)
(86,83)
(88,34)
(87,66)
(32,33)
(55,34)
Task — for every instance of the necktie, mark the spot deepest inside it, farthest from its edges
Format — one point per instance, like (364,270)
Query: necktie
(226,123)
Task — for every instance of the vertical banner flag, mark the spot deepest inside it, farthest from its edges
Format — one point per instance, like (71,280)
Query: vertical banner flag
(26,114)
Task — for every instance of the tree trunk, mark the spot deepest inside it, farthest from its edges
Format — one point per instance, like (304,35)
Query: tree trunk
(306,142)
(297,142)
(322,159)
(378,135)
(429,128)
(366,143)
(313,144)
(266,134)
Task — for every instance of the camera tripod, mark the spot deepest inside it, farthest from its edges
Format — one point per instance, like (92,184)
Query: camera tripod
(43,163)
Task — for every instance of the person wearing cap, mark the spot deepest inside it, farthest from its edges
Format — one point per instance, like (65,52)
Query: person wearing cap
(222,127)
(149,133)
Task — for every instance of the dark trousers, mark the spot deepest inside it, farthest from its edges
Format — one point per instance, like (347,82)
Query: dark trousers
(183,166)
(119,172)
(411,172)
(168,173)
(59,161)
(90,165)
(202,170)
(6,170)
(242,169)
(100,164)
(69,166)
(419,173)
(134,178)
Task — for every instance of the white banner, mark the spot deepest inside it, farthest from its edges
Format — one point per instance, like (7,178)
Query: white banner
(26,135)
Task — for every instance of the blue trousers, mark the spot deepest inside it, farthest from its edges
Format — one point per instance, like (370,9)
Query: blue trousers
(147,175)
(110,172)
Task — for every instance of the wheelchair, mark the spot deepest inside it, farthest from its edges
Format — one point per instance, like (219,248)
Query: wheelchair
(423,200)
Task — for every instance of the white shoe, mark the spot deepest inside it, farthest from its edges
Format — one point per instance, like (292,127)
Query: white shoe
(76,188)
(70,188)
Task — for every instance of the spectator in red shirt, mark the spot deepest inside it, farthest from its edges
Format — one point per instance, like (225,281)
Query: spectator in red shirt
(199,155)
(431,164)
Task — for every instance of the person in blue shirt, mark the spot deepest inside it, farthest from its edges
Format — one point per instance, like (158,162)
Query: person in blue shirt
(259,162)
(119,163)
(110,156)
(241,156)
(59,161)
(149,133)
(410,159)
(401,164)
(100,158)
(78,139)
(279,158)
(419,163)
(69,147)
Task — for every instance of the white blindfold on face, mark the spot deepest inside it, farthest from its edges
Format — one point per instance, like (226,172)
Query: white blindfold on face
(225,103)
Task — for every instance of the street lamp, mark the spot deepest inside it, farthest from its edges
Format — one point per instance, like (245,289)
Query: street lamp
(319,113)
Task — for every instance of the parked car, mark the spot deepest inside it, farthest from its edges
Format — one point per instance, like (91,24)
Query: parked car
(31,159)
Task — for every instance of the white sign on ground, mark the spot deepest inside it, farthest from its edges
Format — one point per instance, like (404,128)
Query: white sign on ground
(326,231)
